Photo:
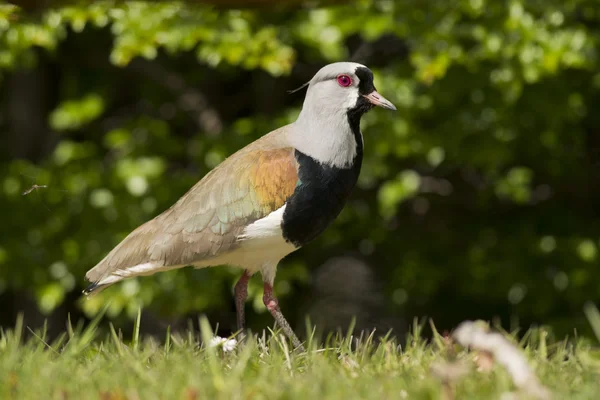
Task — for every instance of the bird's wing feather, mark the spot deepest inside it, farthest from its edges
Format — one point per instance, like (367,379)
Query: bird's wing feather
(207,220)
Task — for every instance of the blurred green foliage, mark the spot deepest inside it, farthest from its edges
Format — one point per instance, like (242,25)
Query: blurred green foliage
(479,197)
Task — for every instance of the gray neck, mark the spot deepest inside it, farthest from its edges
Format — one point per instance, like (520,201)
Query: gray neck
(324,134)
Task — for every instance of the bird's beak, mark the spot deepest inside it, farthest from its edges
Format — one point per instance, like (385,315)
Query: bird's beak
(379,100)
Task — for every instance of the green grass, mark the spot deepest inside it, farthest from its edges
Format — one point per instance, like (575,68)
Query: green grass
(82,365)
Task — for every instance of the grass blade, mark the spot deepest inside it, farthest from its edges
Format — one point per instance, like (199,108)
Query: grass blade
(136,330)
(593,316)
(168,341)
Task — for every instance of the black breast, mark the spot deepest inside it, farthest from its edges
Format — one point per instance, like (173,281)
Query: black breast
(318,199)
(322,190)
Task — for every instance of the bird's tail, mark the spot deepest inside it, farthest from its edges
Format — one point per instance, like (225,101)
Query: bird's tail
(93,289)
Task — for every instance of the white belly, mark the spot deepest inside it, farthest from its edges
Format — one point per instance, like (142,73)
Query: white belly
(261,247)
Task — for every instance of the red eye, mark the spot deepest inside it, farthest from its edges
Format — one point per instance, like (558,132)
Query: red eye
(344,80)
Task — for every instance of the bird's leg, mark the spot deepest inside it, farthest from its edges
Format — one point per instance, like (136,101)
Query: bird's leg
(241,293)
(273,306)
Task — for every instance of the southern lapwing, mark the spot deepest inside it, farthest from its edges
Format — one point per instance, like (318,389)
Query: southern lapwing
(266,200)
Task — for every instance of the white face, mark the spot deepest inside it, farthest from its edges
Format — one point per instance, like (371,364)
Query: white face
(335,87)
(337,94)
(322,130)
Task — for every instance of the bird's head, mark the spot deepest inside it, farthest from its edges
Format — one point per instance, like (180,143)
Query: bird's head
(345,86)
(328,127)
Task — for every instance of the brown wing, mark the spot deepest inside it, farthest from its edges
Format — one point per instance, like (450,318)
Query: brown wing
(206,221)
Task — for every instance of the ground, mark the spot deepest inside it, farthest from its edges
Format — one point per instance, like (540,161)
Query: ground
(84,365)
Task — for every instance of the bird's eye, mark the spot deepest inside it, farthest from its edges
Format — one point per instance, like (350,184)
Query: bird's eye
(344,80)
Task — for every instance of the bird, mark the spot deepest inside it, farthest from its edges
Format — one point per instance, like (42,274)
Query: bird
(263,202)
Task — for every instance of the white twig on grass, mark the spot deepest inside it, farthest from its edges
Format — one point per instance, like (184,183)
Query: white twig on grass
(472,335)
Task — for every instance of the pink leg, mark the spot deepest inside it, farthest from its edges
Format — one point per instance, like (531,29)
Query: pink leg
(241,293)
(273,306)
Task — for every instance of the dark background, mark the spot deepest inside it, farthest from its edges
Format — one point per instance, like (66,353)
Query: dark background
(479,198)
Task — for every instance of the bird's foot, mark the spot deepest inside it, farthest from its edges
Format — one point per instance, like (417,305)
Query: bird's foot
(273,306)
